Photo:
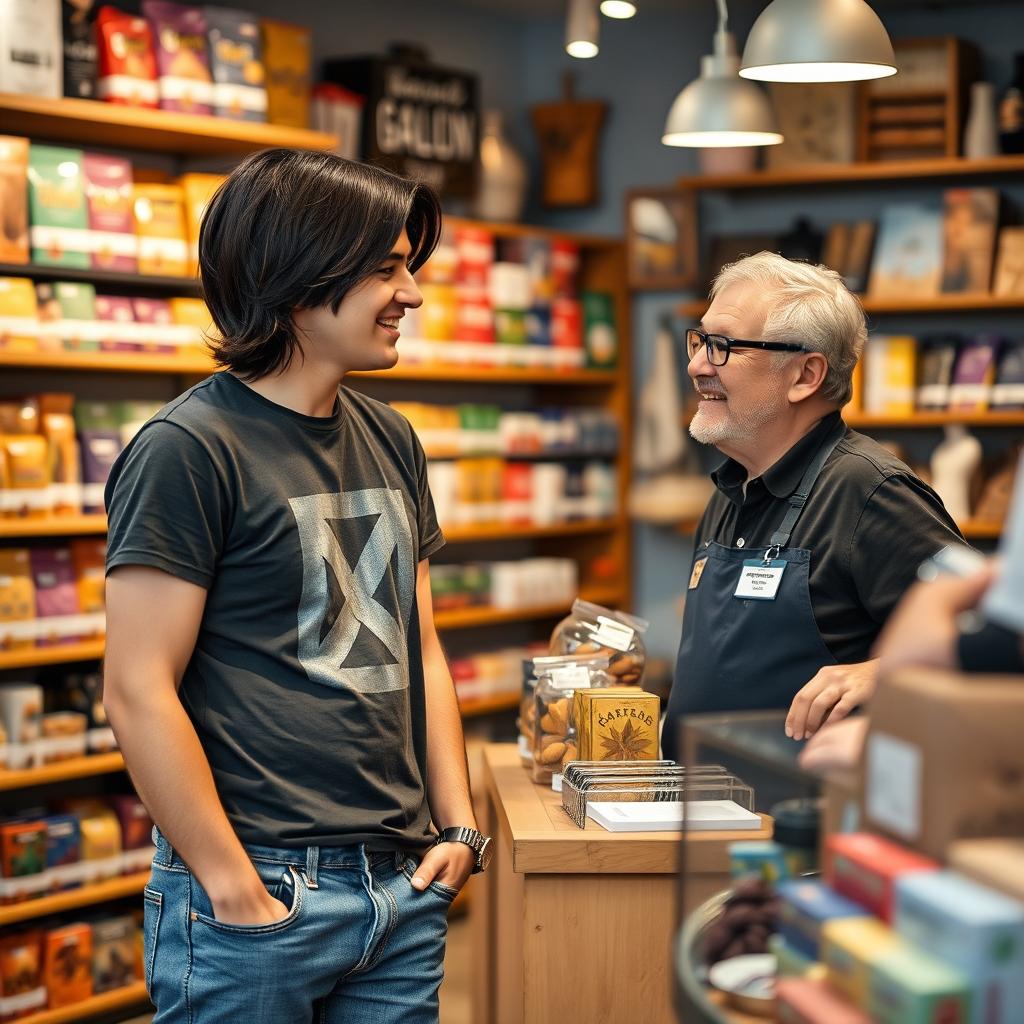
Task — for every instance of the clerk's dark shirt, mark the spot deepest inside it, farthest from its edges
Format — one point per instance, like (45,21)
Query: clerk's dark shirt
(869,522)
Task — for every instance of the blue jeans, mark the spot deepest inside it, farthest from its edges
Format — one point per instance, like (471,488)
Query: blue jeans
(359,945)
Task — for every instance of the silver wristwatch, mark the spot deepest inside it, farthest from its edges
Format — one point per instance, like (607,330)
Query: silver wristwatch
(476,841)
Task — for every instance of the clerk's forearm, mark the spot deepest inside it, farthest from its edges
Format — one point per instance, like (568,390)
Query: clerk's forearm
(173,778)
(447,771)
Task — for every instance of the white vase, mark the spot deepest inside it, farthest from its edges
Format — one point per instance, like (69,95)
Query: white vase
(981,133)
(503,176)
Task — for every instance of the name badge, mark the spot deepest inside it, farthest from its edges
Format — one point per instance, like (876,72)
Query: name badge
(759,580)
(697,572)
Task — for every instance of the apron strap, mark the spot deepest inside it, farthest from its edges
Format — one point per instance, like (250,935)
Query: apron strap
(797,500)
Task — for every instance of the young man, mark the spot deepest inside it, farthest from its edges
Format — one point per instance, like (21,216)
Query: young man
(273,673)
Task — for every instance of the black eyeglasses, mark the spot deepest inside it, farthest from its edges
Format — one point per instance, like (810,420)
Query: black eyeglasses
(718,346)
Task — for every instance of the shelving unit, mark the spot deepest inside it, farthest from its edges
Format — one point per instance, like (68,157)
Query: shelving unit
(696,308)
(60,771)
(74,899)
(94,1007)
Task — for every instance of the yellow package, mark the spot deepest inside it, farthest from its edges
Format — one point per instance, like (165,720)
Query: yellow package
(850,946)
(19,315)
(58,427)
(89,559)
(287,60)
(13,199)
(198,190)
(438,312)
(17,594)
(160,227)
(193,313)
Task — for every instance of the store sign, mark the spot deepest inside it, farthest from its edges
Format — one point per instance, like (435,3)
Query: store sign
(420,120)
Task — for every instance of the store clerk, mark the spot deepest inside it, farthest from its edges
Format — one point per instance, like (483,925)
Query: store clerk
(785,598)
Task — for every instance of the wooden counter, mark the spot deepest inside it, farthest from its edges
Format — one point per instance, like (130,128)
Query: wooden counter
(576,925)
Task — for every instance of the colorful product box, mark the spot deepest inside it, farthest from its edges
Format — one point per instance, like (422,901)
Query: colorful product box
(81,54)
(67,310)
(136,824)
(236,64)
(194,314)
(198,190)
(183,71)
(56,593)
(537,257)
(600,334)
(17,604)
(890,375)
(67,964)
(474,318)
(22,991)
(977,930)
(116,309)
(865,868)
(803,1001)
(538,326)
(510,327)
(113,953)
(475,249)
(791,963)
(565,267)
(13,199)
(765,860)
(31,55)
(127,61)
(287,60)
(849,949)
(617,723)
(22,850)
(907,986)
(160,227)
(438,312)
(19,315)
(100,449)
(108,194)
(89,560)
(804,909)
(156,313)
(63,840)
(60,221)
(567,326)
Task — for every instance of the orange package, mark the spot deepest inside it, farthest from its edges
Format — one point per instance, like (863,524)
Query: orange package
(287,57)
(160,227)
(199,190)
(67,964)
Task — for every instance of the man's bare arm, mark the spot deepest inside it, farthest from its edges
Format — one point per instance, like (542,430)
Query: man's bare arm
(153,620)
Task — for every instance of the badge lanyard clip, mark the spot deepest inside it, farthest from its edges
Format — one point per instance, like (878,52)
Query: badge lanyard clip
(771,553)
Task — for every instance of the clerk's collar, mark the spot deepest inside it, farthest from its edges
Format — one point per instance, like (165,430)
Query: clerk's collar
(782,477)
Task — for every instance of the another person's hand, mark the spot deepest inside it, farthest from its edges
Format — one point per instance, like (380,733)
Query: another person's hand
(448,863)
(923,629)
(832,694)
(835,747)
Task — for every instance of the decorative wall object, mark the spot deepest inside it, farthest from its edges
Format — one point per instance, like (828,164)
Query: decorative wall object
(1009,279)
(661,239)
(969,224)
(818,124)
(503,175)
(981,134)
(908,256)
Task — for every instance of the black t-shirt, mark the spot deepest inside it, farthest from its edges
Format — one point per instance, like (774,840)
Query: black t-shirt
(306,683)
(868,522)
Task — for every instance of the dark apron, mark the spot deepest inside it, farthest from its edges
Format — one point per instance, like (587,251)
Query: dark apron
(740,654)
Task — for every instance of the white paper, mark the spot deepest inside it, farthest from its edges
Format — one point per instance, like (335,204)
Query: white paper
(894,784)
(667,816)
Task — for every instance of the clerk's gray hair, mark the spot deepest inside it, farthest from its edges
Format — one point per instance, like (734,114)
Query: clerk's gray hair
(809,305)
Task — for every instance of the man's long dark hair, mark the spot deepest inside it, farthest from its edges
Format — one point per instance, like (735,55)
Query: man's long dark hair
(291,229)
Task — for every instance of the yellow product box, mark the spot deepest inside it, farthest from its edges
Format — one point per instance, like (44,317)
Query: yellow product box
(618,723)
(438,314)
(17,597)
(287,59)
(850,947)
(160,227)
(890,375)
(198,190)
(19,315)
(191,312)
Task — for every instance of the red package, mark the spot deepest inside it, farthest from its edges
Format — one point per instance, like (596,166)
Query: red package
(127,59)
(475,254)
(565,265)
(566,324)
(474,318)
(21,975)
(517,492)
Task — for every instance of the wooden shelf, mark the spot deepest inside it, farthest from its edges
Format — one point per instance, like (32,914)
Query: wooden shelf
(696,308)
(58,654)
(73,899)
(54,526)
(489,705)
(104,278)
(491,375)
(108,362)
(92,123)
(979,529)
(888,170)
(467,618)
(863,420)
(89,1009)
(499,531)
(62,771)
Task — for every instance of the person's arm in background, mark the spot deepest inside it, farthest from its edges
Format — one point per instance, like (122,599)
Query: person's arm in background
(447,772)
(153,620)
(903,523)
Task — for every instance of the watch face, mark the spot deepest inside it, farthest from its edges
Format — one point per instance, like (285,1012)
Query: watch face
(485,854)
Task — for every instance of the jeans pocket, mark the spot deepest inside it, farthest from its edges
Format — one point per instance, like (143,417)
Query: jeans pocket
(445,892)
(290,892)
(152,908)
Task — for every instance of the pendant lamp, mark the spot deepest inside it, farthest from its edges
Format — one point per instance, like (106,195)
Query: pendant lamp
(818,41)
(619,9)
(581,26)
(719,109)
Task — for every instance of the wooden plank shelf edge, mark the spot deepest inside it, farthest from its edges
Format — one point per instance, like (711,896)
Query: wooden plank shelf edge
(95,1006)
(74,899)
(61,771)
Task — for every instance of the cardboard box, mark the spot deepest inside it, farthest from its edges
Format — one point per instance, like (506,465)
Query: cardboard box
(975,929)
(198,189)
(287,61)
(160,226)
(944,759)
(60,222)
(619,723)
(19,315)
(21,974)
(805,1001)
(13,199)
(67,964)
(850,947)
(108,194)
(113,953)
(998,863)
(865,868)
(911,987)
(804,908)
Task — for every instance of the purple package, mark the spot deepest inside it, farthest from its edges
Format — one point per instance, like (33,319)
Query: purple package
(108,196)
(136,824)
(153,311)
(53,574)
(183,67)
(116,309)
(100,449)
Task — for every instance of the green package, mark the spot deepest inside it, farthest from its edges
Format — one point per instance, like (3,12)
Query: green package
(58,211)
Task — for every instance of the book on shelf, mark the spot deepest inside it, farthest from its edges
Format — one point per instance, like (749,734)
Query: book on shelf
(907,263)
(1009,277)
(890,367)
(969,223)
(974,374)
(936,359)
(1008,390)
(848,252)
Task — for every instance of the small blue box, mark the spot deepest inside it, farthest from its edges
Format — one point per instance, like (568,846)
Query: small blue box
(804,908)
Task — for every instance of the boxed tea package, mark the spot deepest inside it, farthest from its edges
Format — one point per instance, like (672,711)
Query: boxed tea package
(59,217)
(193,314)
(116,310)
(19,315)
(907,986)
(157,314)
(236,63)
(67,964)
(81,54)
(198,190)
(287,60)
(806,906)
(850,946)
(56,593)
(17,605)
(21,974)
(30,57)
(67,314)
(617,724)
(160,227)
(22,850)
(26,473)
(179,36)
(13,199)
(127,61)
(113,953)
(63,840)
(136,824)
(100,449)
(108,195)
(58,427)
(89,560)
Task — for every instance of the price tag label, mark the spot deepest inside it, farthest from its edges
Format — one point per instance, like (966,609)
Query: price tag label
(570,677)
(614,634)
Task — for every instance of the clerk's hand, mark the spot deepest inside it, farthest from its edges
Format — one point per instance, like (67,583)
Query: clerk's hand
(832,694)
(449,863)
(923,629)
(836,746)
(249,906)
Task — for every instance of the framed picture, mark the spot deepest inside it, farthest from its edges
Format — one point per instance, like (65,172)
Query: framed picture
(818,121)
(726,249)
(661,239)
(1010,264)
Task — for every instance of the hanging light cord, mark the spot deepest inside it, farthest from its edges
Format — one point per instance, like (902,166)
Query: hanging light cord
(722,41)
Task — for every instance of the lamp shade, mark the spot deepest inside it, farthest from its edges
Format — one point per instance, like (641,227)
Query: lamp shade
(620,9)
(581,28)
(720,110)
(818,41)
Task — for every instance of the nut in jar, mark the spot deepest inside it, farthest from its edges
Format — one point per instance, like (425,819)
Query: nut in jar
(558,679)
(591,629)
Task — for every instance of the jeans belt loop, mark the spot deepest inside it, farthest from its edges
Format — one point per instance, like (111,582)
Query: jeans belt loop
(312,861)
